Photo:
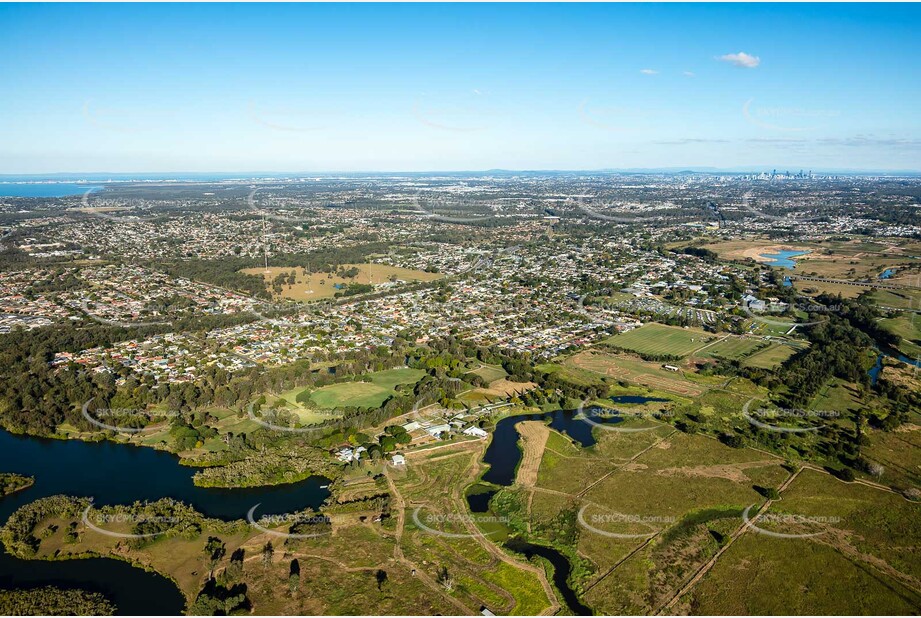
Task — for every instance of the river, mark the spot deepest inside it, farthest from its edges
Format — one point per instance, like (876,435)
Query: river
(503,456)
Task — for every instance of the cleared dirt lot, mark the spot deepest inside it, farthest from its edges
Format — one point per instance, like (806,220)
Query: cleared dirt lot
(534,436)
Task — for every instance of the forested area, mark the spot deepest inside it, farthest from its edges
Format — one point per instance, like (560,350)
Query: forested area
(54,601)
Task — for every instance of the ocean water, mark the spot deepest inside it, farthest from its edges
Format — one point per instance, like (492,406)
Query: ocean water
(44,189)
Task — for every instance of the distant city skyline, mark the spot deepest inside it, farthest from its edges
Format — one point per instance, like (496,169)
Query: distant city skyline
(400,88)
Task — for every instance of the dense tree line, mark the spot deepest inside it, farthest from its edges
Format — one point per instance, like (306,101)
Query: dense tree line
(839,347)
(11,482)
(54,601)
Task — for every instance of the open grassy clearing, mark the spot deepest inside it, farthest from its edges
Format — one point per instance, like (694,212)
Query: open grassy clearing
(683,474)
(475,397)
(490,373)
(899,454)
(306,416)
(860,260)
(618,447)
(570,373)
(654,338)
(571,469)
(908,327)
(760,575)
(350,394)
(854,259)
(391,378)
(498,390)
(533,436)
(505,388)
(854,266)
(814,288)
(317,286)
(770,357)
(686,490)
(650,577)
(838,396)
(723,408)
(631,369)
(864,542)
(900,299)
(863,523)
(734,348)
(360,394)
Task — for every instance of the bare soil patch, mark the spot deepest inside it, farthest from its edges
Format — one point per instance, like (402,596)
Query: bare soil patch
(534,436)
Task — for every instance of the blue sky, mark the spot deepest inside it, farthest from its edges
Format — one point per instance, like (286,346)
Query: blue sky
(362,87)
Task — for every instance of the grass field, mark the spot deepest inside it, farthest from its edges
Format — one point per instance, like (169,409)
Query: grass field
(733,348)
(690,491)
(851,260)
(632,369)
(769,576)
(865,541)
(813,288)
(777,327)
(838,396)
(899,453)
(654,338)
(364,394)
(900,299)
(391,378)
(771,357)
(317,286)
(350,394)
(498,390)
(569,373)
(685,489)
(850,266)
(490,373)
(908,327)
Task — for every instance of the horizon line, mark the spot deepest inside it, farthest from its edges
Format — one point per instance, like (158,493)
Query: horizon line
(663,169)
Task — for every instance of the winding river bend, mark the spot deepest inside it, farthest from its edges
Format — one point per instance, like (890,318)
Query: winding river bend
(503,456)
(120,474)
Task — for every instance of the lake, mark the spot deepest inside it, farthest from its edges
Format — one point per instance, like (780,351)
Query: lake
(120,474)
(44,189)
(113,473)
(782,259)
(134,591)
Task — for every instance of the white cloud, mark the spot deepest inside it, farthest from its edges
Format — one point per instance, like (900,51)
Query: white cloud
(649,72)
(689,73)
(741,60)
